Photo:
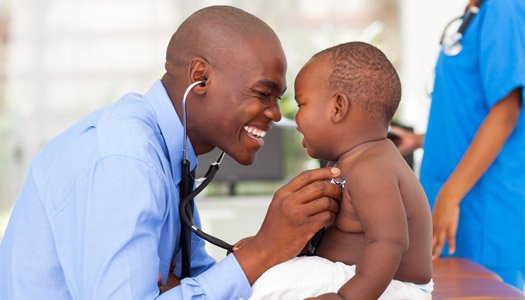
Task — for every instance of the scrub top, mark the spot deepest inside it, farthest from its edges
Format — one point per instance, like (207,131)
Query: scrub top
(492,63)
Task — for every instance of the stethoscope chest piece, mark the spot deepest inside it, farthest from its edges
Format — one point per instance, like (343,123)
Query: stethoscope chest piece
(452,45)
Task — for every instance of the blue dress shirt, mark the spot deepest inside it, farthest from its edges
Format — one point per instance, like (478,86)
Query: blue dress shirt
(97,217)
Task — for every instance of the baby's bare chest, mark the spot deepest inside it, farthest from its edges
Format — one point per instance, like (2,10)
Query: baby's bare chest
(347,220)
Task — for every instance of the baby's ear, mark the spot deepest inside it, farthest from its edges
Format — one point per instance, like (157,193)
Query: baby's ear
(340,107)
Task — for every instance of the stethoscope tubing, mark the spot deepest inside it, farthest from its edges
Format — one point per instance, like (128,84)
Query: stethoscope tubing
(187,193)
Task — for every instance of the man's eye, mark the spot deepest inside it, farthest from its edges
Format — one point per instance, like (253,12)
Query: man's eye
(263,95)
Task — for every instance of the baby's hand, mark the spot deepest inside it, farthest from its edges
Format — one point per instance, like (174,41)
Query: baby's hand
(329,296)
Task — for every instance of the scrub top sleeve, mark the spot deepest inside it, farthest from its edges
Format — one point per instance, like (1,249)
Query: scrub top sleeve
(502,48)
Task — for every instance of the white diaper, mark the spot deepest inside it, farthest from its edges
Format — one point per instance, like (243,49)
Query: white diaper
(309,276)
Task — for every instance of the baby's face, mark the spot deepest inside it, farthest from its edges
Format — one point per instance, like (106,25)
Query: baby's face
(312,95)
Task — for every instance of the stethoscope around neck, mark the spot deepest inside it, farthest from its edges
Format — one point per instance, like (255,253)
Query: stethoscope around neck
(187,193)
(451,41)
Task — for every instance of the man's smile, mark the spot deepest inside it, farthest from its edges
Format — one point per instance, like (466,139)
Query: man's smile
(254,132)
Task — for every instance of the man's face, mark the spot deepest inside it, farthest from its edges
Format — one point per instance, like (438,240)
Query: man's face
(244,99)
(313,117)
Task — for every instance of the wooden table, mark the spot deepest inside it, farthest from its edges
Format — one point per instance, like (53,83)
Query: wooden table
(459,278)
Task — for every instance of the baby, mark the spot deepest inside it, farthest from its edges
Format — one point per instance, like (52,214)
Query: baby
(379,246)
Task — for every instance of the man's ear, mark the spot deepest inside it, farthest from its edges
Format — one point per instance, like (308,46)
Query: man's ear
(199,70)
(340,107)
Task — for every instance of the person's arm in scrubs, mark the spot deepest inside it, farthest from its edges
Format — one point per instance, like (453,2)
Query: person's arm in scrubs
(487,143)
(501,57)
(501,49)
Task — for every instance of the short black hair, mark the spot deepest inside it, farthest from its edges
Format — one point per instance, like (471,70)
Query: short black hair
(366,75)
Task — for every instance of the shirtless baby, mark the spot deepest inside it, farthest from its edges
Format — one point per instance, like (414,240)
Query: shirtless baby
(379,246)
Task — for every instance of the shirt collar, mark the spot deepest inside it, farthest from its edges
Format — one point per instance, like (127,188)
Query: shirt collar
(170,126)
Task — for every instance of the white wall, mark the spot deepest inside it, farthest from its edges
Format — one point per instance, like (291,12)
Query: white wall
(422,22)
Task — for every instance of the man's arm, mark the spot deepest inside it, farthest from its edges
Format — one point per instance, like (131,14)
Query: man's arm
(485,147)
(298,210)
(118,231)
(116,250)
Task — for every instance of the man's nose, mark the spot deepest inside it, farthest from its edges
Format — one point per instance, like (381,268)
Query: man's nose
(273,112)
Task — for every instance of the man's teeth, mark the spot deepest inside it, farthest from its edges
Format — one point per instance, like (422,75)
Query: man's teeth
(256,132)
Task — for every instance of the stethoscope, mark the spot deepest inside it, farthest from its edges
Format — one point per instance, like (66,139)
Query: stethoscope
(451,42)
(187,193)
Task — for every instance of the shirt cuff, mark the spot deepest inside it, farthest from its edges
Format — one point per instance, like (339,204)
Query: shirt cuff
(225,280)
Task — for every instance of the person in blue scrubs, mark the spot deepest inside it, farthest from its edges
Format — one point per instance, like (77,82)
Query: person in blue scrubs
(97,217)
(473,167)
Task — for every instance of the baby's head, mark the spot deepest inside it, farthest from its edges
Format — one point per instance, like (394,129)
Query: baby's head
(347,94)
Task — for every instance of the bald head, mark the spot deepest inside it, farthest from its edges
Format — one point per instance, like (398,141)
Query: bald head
(215,33)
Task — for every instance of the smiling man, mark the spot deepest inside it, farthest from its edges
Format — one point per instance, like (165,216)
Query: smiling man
(97,217)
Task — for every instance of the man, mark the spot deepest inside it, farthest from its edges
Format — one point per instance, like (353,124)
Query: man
(97,217)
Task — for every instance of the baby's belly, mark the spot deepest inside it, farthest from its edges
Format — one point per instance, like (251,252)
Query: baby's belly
(342,246)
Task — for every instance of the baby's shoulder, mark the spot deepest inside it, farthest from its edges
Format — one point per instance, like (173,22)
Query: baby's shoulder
(366,164)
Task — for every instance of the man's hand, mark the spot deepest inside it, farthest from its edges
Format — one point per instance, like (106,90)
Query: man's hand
(298,210)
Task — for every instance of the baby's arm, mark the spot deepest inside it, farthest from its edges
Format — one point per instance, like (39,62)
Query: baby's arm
(376,199)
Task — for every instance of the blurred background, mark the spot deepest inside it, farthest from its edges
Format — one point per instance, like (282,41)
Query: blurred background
(61,59)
